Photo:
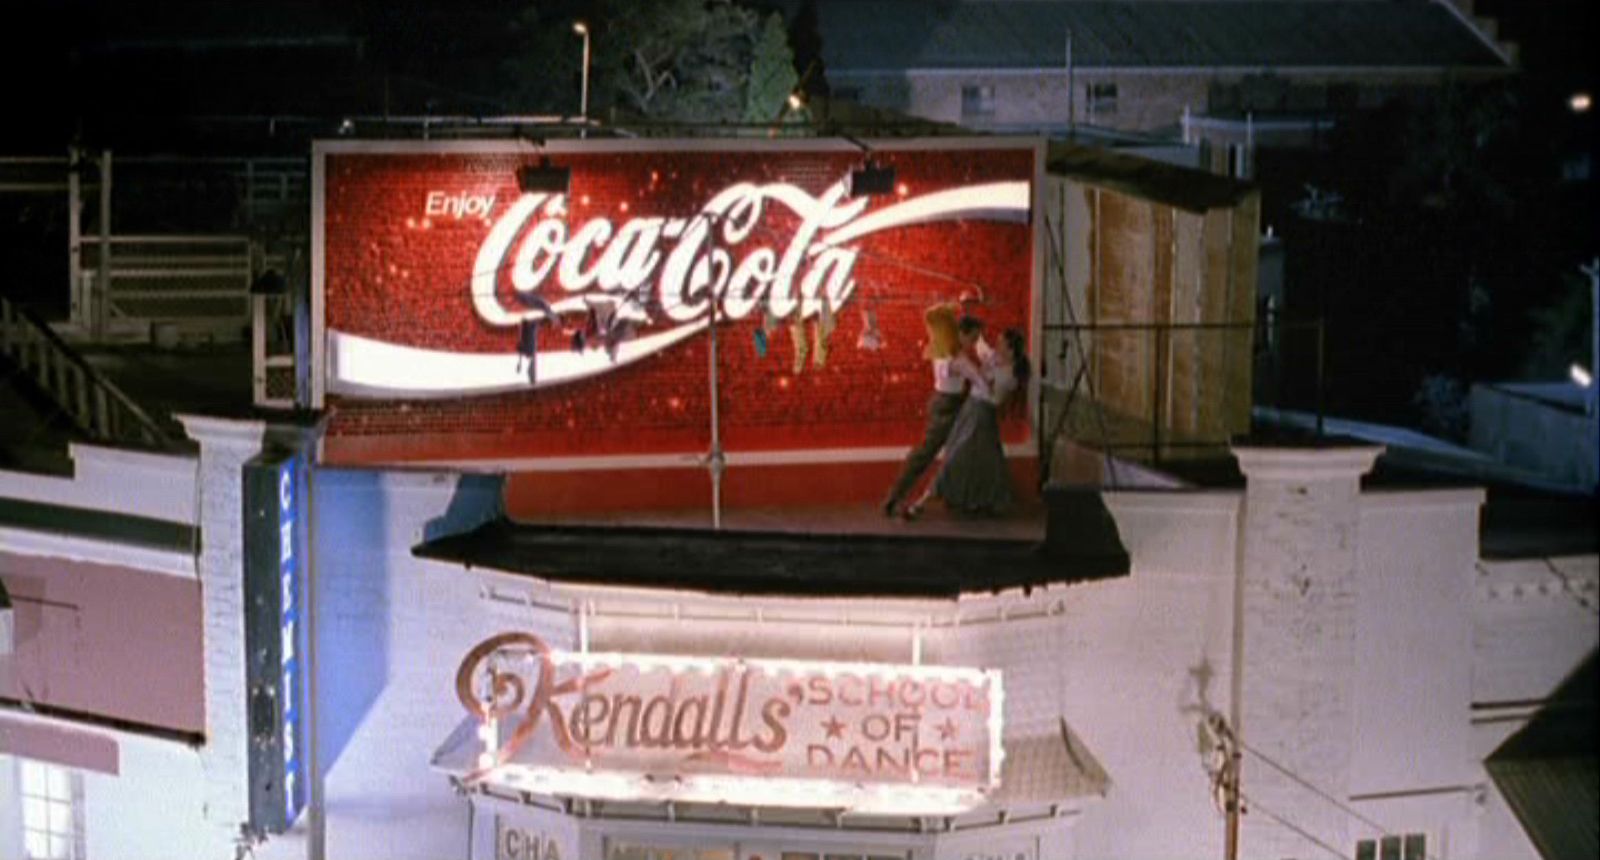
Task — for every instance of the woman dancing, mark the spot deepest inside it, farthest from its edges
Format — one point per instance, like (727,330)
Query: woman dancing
(974,478)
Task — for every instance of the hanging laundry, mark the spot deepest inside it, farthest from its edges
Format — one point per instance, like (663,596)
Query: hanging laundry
(871,338)
(528,348)
(821,332)
(619,333)
(602,315)
(797,333)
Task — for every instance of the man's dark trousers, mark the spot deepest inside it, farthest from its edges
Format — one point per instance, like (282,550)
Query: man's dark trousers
(942,411)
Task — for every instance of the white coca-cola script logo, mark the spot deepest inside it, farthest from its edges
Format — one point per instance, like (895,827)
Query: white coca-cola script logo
(700,267)
(724,260)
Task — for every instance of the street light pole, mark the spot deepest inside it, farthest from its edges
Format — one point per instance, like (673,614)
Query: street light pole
(582,29)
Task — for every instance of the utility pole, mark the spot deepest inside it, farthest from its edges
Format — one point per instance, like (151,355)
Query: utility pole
(1592,269)
(1225,780)
(1072,121)
(582,29)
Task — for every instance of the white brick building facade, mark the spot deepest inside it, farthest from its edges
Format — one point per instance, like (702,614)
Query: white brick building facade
(1381,660)
(1354,702)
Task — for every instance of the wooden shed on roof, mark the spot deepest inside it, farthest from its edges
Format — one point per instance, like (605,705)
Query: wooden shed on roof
(1149,311)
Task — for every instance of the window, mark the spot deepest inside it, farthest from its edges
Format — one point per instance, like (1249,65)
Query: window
(1411,846)
(977,101)
(802,855)
(636,851)
(52,812)
(1102,98)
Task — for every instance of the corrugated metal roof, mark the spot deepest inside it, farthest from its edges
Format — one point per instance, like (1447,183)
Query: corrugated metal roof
(894,35)
(1548,771)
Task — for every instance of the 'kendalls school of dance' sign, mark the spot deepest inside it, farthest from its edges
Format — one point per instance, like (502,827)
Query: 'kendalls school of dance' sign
(866,737)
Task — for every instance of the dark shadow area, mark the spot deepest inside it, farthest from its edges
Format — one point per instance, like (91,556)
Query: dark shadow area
(477,500)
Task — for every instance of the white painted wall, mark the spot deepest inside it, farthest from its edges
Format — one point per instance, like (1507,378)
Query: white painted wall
(1530,625)
(1413,759)
(138,483)
(154,808)
(151,809)
(135,483)
(225,445)
(391,632)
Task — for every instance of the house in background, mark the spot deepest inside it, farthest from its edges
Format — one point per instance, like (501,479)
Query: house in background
(1233,75)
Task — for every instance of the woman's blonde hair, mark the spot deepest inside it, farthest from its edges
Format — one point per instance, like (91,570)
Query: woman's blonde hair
(943,340)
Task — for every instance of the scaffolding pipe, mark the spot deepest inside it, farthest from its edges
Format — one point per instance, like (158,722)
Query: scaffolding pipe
(102,281)
(714,459)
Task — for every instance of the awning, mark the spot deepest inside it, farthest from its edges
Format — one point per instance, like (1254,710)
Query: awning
(1046,768)
(1548,774)
(36,738)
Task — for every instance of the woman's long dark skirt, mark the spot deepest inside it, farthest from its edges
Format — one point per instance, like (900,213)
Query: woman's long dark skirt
(974,478)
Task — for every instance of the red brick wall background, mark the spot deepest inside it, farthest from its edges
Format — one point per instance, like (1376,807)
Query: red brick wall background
(395,275)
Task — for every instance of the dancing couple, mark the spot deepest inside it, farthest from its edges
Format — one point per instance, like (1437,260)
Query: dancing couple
(971,383)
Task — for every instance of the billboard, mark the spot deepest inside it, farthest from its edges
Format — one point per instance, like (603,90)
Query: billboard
(505,301)
(857,736)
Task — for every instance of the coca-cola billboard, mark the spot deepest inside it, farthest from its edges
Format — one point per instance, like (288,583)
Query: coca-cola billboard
(465,317)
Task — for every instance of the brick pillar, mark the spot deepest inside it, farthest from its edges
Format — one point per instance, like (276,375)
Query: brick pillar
(225,445)
(1297,615)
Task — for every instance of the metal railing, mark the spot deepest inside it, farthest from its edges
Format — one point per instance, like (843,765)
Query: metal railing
(259,188)
(1155,392)
(99,409)
(194,283)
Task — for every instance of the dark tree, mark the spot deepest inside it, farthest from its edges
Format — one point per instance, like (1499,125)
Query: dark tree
(674,60)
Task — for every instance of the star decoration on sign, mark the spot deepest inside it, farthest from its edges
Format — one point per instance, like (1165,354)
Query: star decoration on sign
(947,729)
(834,728)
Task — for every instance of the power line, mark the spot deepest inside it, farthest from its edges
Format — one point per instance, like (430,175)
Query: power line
(1297,829)
(1338,804)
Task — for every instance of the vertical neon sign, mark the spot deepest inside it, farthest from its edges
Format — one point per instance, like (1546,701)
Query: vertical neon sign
(288,634)
(273,639)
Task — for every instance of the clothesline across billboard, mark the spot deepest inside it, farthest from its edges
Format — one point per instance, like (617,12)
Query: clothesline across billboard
(458,302)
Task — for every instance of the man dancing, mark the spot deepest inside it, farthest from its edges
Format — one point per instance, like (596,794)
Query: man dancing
(948,340)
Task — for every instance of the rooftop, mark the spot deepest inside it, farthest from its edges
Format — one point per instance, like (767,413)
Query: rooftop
(1520,519)
(897,35)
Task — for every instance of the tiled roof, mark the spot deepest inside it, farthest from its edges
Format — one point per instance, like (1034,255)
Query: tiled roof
(894,35)
(1048,767)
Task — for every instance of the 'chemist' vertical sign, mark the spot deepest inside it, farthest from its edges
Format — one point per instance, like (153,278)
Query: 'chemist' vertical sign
(274,639)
